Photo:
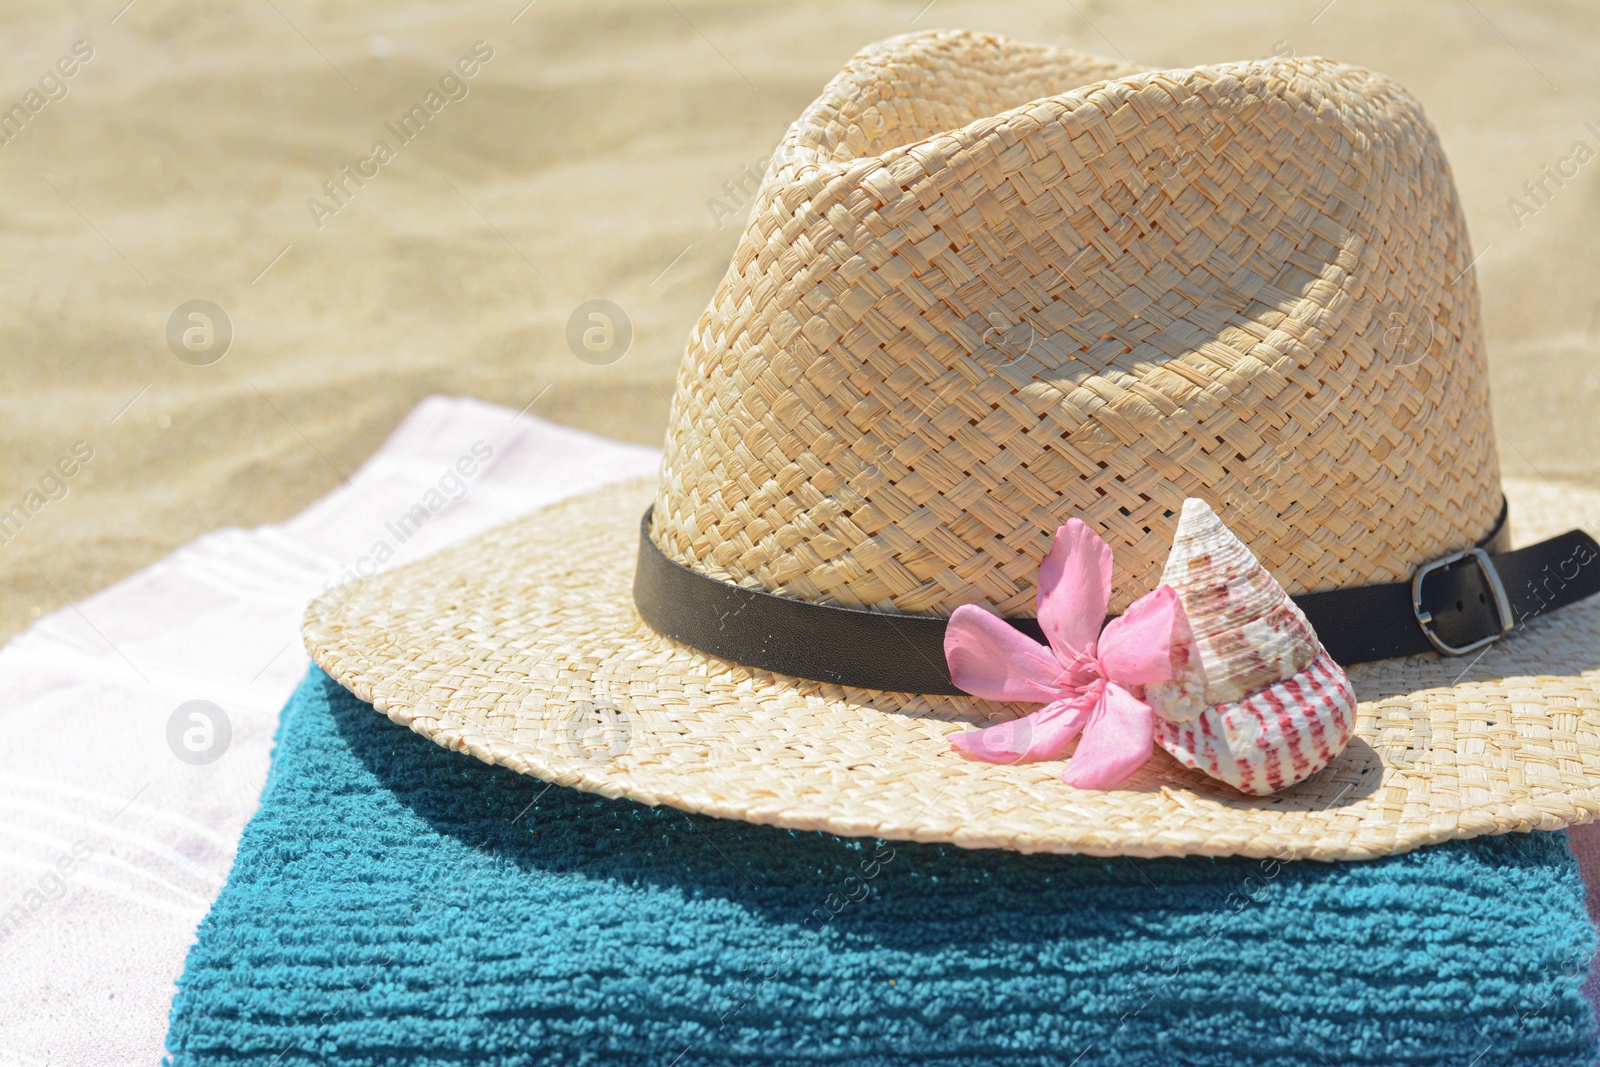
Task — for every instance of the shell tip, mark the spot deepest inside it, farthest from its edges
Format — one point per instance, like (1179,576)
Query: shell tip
(1195,510)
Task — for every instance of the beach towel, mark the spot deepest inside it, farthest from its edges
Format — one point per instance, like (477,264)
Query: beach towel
(393,902)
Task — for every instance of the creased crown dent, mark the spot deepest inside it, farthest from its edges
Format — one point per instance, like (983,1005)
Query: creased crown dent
(987,286)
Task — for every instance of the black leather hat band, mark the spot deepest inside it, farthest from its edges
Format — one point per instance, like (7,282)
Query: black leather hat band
(1456,604)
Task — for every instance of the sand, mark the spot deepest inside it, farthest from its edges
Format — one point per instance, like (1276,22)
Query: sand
(581,160)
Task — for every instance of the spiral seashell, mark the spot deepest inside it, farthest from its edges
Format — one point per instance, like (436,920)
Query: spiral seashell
(1267,706)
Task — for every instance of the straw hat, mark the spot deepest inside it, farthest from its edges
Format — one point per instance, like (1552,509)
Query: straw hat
(986,287)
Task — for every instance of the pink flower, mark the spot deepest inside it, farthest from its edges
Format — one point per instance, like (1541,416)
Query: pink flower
(1089,681)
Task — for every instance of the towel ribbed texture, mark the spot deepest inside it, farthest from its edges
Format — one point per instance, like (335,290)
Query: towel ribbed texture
(393,902)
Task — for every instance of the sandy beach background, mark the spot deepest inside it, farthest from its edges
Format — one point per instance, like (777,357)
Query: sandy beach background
(588,156)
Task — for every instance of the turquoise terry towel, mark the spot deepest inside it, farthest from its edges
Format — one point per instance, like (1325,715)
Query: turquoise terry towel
(393,903)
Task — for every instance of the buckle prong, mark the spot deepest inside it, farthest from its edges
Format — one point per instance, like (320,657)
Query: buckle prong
(1502,603)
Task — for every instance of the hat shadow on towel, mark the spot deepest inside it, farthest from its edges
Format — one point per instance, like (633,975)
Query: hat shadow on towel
(542,829)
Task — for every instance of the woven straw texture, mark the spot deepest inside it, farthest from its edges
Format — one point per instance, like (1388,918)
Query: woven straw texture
(522,648)
(956,319)
(984,286)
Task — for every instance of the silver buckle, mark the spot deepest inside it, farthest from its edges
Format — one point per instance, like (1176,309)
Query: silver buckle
(1502,603)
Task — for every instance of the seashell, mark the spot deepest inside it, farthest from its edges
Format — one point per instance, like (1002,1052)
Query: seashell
(1267,707)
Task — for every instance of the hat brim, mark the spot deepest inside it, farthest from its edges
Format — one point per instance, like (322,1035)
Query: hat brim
(522,648)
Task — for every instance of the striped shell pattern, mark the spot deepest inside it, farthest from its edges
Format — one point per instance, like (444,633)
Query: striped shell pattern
(1267,707)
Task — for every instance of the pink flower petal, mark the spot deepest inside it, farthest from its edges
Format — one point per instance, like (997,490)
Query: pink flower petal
(1137,647)
(1042,735)
(1116,742)
(1074,589)
(992,659)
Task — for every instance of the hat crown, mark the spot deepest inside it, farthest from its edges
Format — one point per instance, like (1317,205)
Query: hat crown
(988,286)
